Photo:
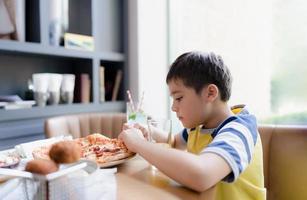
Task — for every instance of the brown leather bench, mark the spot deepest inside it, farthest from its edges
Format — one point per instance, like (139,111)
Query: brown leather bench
(284,149)
(80,125)
(285,161)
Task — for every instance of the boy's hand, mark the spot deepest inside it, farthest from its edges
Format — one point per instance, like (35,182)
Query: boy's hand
(131,137)
(142,129)
(137,126)
(127,126)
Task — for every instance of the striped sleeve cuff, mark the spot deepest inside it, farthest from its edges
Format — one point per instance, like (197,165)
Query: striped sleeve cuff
(234,163)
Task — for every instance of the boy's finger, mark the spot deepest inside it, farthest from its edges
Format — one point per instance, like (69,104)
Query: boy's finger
(143,129)
(126,126)
(140,127)
(136,125)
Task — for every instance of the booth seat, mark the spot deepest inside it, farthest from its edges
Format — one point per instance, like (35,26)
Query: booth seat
(80,125)
(284,149)
(285,161)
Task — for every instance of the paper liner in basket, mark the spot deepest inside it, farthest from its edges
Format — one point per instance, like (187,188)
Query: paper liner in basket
(25,149)
(87,183)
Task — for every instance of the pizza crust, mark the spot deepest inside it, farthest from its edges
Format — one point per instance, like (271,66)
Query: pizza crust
(111,158)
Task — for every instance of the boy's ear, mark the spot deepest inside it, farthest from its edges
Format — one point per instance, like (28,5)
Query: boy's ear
(210,92)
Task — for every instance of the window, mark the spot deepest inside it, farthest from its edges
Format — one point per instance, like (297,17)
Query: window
(264,43)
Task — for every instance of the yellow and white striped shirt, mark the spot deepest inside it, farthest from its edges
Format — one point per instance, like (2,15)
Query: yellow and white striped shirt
(237,141)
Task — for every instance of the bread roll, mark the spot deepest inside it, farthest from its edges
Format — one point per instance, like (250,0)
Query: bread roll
(65,152)
(40,166)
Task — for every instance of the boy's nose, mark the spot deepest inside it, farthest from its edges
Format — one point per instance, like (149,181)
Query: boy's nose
(174,108)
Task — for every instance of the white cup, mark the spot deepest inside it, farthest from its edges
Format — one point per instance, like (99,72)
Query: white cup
(68,83)
(40,82)
(55,81)
(40,88)
(67,88)
(54,86)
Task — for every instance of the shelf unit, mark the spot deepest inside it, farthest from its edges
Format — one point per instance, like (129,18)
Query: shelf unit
(104,20)
(15,47)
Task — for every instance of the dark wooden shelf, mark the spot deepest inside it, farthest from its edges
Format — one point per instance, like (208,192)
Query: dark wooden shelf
(64,109)
(105,21)
(10,46)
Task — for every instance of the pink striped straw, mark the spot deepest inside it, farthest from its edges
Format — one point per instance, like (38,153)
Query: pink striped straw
(130,100)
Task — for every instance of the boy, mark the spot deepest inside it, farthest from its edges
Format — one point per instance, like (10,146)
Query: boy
(223,144)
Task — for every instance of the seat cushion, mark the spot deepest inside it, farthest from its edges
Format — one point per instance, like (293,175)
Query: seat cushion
(288,163)
(80,125)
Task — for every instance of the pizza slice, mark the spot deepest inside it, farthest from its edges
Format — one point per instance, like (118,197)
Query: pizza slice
(103,149)
(96,147)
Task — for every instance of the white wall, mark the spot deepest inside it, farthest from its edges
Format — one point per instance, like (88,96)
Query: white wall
(148,54)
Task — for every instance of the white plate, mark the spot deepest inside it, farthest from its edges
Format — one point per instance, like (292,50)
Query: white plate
(9,159)
(116,162)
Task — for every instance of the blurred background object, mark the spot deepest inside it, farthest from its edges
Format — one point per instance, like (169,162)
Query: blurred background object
(12,19)
(58,19)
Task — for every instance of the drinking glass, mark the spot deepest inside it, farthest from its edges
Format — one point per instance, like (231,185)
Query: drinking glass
(135,115)
(160,132)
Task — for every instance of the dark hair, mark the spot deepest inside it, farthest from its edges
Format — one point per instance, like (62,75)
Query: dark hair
(199,69)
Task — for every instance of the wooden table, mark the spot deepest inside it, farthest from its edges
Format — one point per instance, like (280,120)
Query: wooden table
(137,180)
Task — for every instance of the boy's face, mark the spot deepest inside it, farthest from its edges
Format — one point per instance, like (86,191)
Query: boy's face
(190,107)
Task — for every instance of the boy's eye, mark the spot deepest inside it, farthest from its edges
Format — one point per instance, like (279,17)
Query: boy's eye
(178,98)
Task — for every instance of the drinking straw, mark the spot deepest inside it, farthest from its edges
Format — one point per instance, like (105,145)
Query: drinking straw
(130,100)
(140,104)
